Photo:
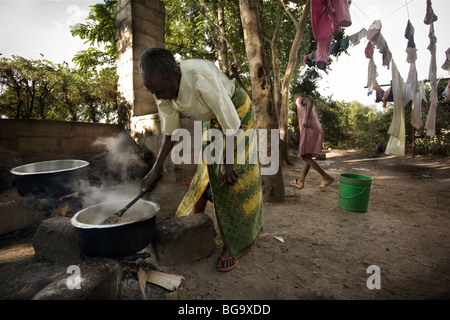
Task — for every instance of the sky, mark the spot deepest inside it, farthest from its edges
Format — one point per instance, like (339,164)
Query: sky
(34,27)
(31,28)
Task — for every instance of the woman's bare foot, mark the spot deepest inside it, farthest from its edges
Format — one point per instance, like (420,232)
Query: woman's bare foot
(326,182)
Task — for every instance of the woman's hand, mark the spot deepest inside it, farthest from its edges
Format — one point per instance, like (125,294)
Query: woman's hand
(228,173)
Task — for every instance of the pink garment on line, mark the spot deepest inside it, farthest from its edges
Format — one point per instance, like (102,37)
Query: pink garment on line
(311,138)
(327,17)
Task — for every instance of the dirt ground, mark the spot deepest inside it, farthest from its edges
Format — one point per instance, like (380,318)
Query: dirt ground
(310,248)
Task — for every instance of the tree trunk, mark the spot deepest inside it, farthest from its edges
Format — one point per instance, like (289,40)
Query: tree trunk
(276,67)
(285,83)
(262,92)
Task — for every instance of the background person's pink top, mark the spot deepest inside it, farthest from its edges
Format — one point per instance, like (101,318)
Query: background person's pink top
(311,138)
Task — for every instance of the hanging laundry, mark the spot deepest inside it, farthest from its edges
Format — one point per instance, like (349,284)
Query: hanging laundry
(430,17)
(379,94)
(374,35)
(409,34)
(412,81)
(368,51)
(374,31)
(383,48)
(446,65)
(327,18)
(311,56)
(334,47)
(390,96)
(411,54)
(385,96)
(372,75)
(417,96)
(396,143)
(338,45)
(372,68)
(431,118)
(446,92)
(411,50)
(416,108)
(407,93)
(356,37)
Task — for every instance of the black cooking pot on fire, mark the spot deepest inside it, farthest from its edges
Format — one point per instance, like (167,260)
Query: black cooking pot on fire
(47,179)
(134,231)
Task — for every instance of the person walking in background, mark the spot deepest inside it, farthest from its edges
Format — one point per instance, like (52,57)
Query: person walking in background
(311,141)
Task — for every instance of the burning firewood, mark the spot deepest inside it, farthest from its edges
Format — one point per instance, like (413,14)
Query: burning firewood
(67,206)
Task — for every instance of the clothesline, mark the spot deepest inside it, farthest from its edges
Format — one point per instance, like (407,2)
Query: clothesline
(354,3)
(388,85)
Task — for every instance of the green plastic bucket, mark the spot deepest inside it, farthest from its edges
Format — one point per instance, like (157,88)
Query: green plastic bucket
(354,191)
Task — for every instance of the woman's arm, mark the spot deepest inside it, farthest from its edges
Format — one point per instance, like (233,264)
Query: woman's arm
(309,107)
(166,146)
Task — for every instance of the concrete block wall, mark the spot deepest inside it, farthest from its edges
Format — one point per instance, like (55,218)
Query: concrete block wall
(27,141)
(140,25)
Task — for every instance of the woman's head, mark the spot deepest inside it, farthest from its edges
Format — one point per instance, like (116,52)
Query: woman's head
(160,73)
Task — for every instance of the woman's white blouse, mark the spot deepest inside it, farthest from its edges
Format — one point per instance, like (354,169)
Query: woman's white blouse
(205,93)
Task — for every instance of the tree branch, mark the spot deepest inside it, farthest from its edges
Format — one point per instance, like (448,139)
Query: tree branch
(233,53)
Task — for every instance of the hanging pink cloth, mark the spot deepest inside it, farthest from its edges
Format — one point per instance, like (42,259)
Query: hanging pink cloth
(327,17)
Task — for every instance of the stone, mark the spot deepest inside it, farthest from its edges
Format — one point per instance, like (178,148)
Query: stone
(56,240)
(96,279)
(17,213)
(184,240)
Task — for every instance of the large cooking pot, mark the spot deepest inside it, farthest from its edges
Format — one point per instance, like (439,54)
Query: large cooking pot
(48,179)
(133,232)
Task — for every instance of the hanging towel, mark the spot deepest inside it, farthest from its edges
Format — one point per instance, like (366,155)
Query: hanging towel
(431,118)
(396,143)
(416,108)
(417,97)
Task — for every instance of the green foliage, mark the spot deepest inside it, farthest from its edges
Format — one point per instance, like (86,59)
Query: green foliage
(100,30)
(186,30)
(40,89)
